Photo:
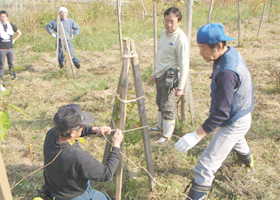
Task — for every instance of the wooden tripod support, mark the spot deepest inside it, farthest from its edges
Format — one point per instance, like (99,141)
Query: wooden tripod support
(64,44)
(130,54)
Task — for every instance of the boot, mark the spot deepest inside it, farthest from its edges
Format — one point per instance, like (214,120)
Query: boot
(168,128)
(248,160)
(159,126)
(198,192)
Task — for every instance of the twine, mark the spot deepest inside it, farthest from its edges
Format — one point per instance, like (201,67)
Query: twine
(128,101)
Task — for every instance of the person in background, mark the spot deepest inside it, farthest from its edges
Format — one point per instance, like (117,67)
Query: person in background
(70,28)
(7,41)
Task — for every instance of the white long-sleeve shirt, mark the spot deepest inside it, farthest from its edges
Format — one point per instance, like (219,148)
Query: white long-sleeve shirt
(173,52)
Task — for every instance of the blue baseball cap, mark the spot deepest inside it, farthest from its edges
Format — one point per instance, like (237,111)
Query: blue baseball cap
(212,33)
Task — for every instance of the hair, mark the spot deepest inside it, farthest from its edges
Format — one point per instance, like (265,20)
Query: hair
(215,45)
(4,12)
(65,132)
(174,10)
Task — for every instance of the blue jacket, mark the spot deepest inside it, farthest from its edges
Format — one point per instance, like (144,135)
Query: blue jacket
(70,27)
(243,98)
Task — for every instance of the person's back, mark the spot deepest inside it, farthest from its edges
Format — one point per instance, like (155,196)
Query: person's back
(69,175)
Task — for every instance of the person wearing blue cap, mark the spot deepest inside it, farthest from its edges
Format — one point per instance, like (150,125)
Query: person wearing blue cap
(172,57)
(232,101)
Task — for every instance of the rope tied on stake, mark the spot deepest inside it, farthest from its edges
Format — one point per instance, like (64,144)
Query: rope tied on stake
(128,101)
(131,55)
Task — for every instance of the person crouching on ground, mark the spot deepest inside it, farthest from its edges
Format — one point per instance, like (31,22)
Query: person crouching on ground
(232,101)
(68,177)
(70,28)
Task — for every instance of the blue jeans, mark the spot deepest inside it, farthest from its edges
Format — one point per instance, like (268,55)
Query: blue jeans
(89,194)
(60,54)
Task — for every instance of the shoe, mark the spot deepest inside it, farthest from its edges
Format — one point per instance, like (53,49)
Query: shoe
(163,140)
(61,66)
(15,78)
(198,192)
(2,89)
(248,160)
(250,165)
(156,129)
(77,65)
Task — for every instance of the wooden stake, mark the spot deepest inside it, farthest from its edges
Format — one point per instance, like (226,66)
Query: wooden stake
(124,83)
(239,22)
(188,87)
(210,11)
(264,6)
(142,113)
(155,29)
(57,39)
(63,39)
(116,108)
(119,25)
(5,191)
(276,9)
(145,11)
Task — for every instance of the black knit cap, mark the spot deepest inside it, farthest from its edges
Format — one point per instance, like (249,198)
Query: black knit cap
(71,115)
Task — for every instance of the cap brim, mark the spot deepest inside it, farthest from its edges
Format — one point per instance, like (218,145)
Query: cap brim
(227,38)
(88,118)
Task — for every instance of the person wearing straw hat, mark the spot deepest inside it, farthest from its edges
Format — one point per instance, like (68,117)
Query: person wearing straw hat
(69,175)
(71,28)
(232,101)
(172,57)
(7,41)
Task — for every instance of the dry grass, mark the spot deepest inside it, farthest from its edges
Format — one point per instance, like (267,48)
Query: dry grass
(42,89)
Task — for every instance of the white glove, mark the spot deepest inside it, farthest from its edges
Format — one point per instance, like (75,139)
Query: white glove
(54,35)
(14,41)
(186,142)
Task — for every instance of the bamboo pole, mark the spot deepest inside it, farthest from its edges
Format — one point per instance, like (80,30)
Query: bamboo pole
(188,88)
(122,117)
(270,10)
(57,39)
(63,39)
(119,26)
(142,113)
(145,11)
(210,11)
(239,22)
(5,191)
(264,6)
(155,30)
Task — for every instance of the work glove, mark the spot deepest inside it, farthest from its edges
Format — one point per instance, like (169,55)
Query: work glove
(14,41)
(187,142)
(54,35)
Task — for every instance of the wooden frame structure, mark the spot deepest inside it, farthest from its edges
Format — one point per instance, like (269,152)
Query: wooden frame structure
(129,54)
(60,35)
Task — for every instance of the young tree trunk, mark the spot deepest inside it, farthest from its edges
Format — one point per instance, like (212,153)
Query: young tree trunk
(210,11)
(239,22)
(264,6)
